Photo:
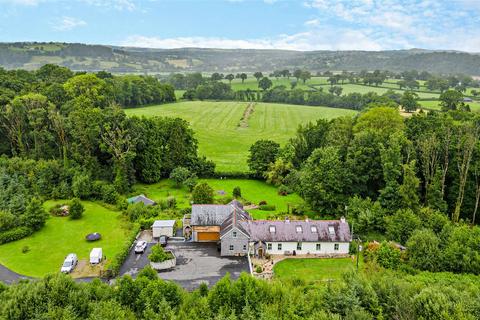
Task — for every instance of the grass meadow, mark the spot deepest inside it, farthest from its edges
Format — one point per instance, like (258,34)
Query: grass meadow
(61,236)
(312,270)
(221,139)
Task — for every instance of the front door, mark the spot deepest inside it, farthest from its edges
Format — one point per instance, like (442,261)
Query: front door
(260,252)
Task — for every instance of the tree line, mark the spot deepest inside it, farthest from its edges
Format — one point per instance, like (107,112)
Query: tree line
(378,295)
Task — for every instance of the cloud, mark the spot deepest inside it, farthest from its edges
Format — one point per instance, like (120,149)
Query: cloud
(68,23)
(325,39)
(312,22)
(120,5)
(29,3)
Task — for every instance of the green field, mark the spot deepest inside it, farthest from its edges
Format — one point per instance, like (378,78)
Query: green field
(61,236)
(312,269)
(253,191)
(216,125)
(435,105)
(252,84)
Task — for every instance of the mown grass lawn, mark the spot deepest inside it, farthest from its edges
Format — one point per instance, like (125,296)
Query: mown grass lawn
(61,236)
(221,139)
(313,269)
(252,190)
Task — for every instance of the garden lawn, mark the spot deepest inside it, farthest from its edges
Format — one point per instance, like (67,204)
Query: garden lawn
(61,236)
(253,191)
(221,139)
(314,269)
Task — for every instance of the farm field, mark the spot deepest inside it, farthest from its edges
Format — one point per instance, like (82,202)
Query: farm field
(61,236)
(253,191)
(312,269)
(221,139)
(252,84)
(358,88)
(435,105)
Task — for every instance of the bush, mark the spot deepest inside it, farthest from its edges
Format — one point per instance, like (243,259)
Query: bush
(15,234)
(267,207)
(76,209)
(105,192)
(25,249)
(179,175)
(283,190)
(258,269)
(159,255)
(237,192)
(202,194)
(262,203)
(82,186)
(191,182)
(35,215)
(171,202)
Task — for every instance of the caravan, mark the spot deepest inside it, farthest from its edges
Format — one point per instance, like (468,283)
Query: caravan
(96,256)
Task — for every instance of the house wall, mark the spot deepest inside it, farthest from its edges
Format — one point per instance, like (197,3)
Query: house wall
(309,248)
(162,231)
(240,243)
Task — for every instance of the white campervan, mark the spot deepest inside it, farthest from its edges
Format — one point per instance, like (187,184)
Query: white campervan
(96,255)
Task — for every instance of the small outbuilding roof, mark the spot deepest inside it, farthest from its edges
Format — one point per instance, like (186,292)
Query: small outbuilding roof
(163,223)
(141,198)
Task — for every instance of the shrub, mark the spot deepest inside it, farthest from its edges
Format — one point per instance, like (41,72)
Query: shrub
(159,255)
(179,175)
(191,182)
(267,207)
(258,269)
(15,234)
(202,194)
(76,209)
(82,186)
(283,190)
(262,203)
(7,221)
(237,192)
(25,249)
(171,202)
(35,215)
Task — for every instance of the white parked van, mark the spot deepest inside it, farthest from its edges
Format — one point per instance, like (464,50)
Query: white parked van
(96,255)
(69,263)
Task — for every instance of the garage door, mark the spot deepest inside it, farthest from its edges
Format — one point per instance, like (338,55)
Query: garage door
(208,236)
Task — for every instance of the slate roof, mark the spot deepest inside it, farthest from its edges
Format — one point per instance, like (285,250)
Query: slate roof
(233,220)
(286,231)
(163,223)
(209,214)
(141,198)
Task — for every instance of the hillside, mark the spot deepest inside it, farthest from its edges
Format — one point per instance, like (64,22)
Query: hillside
(224,138)
(125,59)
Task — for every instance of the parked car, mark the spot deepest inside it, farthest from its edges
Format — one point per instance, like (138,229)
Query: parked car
(163,240)
(140,247)
(69,263)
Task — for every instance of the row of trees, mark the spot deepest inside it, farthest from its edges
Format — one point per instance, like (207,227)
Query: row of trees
(381,295)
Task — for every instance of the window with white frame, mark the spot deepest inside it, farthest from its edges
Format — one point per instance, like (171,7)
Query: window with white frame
(244,247)
(234,234)
(331,230)
(269,246)
(279,247)
(313,229)
(318,247)
(299,246)
(336,246)
(298,229)
(231,247)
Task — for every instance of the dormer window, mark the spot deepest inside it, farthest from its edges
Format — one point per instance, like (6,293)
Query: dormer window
(331,230)
(298,229)
(313,229)
(272,229)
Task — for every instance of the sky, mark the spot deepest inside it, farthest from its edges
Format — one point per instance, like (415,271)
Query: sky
(258,24)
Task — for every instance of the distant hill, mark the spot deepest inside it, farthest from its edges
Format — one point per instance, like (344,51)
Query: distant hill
(32,55)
